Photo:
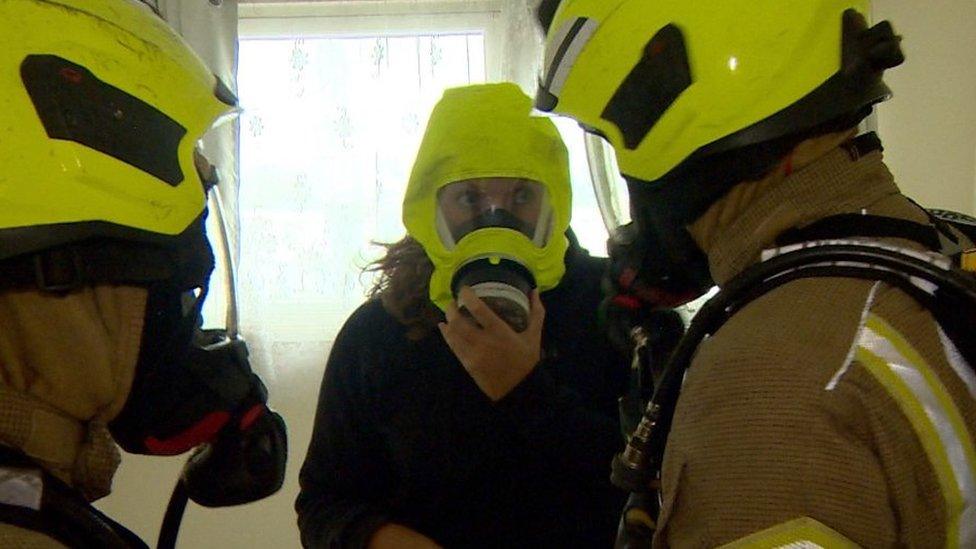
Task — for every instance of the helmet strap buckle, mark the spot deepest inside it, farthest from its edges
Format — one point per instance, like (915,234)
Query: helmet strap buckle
(59,270)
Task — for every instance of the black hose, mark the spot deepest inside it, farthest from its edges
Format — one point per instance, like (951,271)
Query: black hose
(173,517)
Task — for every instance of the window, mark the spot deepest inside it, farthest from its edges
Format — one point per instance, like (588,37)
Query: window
(335,100)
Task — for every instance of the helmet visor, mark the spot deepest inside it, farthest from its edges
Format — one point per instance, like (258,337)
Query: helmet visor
(509,203)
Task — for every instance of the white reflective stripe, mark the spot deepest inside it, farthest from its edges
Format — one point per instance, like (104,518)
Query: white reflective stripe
(21,487)
(558,73)
(555,44)
(932,258)
(958,363)
(934,416)
(935,258)
(924,285)
(832,384)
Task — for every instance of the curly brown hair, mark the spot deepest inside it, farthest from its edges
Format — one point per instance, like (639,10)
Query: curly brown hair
(404,286)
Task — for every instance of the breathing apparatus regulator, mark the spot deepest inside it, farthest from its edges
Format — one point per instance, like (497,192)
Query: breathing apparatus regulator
(104,183)
(489,200)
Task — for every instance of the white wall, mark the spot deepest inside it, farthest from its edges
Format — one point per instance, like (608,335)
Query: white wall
(929,127)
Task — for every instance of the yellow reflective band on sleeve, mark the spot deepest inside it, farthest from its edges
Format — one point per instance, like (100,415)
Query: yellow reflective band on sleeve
(968,262)
(801,533)
(939,425)
(639,516)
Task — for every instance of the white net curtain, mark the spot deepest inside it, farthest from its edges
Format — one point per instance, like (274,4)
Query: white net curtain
(333,113)
(329,132)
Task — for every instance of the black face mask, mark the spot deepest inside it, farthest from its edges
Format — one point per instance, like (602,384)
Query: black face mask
(654,261)
(245,462)
(193,388)
(500,218)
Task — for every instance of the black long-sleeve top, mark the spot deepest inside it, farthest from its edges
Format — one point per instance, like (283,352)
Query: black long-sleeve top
(402,434)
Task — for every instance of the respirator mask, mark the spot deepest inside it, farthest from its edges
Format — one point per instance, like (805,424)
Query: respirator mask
(489,199)
(495,228)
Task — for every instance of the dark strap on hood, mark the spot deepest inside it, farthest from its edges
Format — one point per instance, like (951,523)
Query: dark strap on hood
(846,226)
(77,265)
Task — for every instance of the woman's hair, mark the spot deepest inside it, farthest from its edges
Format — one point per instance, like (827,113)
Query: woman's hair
(403,286)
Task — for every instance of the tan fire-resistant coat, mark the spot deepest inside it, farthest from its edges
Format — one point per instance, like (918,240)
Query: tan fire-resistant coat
(830,411)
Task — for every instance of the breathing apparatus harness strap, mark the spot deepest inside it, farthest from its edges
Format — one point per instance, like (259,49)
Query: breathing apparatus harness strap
(846,226)
(933,279)
(62,513)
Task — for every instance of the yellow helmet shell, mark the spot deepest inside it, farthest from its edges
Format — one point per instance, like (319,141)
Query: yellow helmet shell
(49,183)
(747,62)
(487,131)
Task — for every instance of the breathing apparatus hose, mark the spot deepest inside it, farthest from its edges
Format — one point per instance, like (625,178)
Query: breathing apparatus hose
(170,529)
(948,293)
(173,518)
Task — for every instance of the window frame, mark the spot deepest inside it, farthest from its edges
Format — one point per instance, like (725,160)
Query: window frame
(359,18)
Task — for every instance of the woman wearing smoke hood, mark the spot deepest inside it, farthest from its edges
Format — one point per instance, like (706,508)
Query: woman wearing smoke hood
(492,425)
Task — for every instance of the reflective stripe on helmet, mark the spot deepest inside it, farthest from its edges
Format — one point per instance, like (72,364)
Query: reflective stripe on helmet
(565,49)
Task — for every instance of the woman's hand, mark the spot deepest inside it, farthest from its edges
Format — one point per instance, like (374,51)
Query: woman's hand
(497,357)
